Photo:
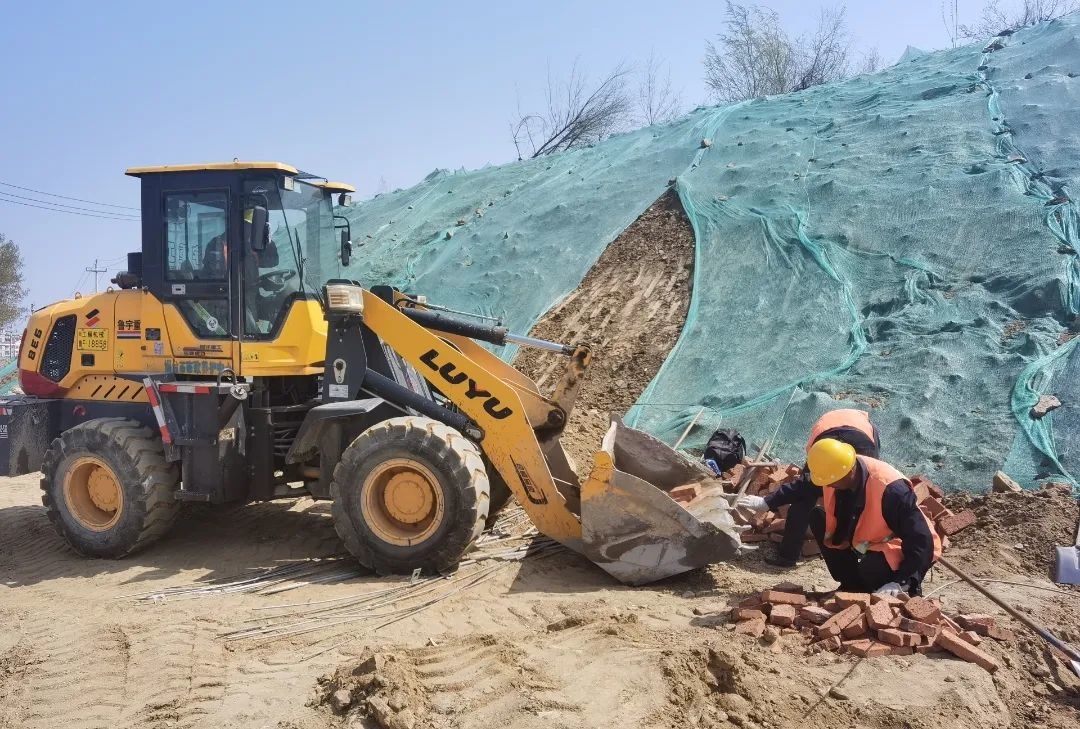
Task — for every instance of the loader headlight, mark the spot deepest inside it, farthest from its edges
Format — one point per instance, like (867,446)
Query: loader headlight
(344,299)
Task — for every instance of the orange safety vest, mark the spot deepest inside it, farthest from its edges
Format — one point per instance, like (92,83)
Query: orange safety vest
(871,532)
(843,418)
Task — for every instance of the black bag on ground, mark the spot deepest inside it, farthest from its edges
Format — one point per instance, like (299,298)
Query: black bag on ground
(726,447)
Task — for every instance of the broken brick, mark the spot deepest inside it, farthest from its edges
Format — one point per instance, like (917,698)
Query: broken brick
(952,523)
(934,508)
(788,586)
(922,493)
(777,597)
(754,601)
(960,648)
(999,633)
(685,494)
(888,599)
(844,599)
(755,627)
(971,637)
(828,644)
(977,622)
(866,648)
(783,615)
(880,615)
(831,605)
(901,650)
(899,637)
(914,626)
(950,623)
(739,614)
(777,525)
(855,629)
(838,622)
(814,614)
(922,610)
(928,648)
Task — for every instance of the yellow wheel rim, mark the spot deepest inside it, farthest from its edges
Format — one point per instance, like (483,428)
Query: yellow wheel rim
(93,494)
(402,501)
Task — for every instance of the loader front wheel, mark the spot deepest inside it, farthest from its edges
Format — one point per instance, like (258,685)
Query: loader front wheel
(107,488)
(410,493)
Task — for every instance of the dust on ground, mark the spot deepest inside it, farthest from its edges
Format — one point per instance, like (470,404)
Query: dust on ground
(630,307)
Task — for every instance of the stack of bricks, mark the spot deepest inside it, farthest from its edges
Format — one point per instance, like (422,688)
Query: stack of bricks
(767,526)
(867,625)
(929,498)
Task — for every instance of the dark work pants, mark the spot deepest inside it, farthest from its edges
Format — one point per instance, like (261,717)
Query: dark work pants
(855,572)
(795,525)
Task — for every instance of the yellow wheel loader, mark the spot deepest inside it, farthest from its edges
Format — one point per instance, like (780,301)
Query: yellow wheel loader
(236,362)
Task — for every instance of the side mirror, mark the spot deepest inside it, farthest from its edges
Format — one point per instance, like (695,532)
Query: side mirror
(260,229)
(346,248)
(344,200)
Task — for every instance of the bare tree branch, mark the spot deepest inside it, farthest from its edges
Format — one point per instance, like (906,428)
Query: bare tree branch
(657,101)
(994,19)
(870,62)
(576,116)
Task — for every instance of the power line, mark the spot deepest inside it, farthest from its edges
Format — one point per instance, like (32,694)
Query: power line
(65,197)
(64,205)
(69,212)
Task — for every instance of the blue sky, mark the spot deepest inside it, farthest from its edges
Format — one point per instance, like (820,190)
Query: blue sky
(370,93)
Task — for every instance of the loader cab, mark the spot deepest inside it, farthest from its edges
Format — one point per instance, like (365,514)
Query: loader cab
(234,246)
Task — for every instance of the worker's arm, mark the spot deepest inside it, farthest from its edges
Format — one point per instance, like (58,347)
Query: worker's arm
(799,490)
(903,517)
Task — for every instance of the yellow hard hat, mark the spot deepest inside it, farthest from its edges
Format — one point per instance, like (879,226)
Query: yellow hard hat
(829,460)
(249,215)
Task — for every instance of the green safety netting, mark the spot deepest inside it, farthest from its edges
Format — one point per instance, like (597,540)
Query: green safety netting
(891,241)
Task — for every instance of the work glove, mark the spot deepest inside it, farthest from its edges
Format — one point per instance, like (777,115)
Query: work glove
(889,589)
(754,503)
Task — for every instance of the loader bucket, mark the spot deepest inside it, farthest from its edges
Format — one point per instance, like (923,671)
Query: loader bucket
(632,528)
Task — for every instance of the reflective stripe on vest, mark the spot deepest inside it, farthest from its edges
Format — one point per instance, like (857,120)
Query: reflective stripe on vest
(843,418)
(872,534)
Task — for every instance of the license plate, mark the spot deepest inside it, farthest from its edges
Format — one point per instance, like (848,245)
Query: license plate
(92,340)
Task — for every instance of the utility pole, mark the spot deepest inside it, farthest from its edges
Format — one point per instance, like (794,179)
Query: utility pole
(95,270)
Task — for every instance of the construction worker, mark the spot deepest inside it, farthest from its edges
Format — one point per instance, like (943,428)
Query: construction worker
(845,425)
(872,534)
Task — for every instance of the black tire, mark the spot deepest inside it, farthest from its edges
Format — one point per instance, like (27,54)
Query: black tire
(500,496)
(454,476)
(133,456)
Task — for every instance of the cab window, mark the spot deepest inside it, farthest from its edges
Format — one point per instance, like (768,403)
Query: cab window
(195,241)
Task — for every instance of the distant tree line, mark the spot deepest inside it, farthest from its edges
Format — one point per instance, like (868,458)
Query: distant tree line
(11,282)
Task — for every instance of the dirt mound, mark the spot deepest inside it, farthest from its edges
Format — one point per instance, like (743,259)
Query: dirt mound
(1017,531)
(631,308)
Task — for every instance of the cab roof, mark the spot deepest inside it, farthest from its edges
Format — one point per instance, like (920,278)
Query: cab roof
(236,165)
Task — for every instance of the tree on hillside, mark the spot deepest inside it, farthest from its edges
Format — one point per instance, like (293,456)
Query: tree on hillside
(1029,12)
(657,101)
(11,282)
(754,56)
(578,113)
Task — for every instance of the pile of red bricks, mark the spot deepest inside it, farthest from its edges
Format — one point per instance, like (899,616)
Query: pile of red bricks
(929,497)
(768,526)
(867,625)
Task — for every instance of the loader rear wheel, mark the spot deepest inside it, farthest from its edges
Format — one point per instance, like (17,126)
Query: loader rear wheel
(107,488)
(409,493)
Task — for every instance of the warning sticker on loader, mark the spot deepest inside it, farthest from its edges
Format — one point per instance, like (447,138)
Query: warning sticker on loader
(92,340)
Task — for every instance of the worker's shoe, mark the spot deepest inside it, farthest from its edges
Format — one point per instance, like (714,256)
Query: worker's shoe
(778,560)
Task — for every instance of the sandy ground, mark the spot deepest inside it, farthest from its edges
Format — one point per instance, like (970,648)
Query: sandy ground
(546,641)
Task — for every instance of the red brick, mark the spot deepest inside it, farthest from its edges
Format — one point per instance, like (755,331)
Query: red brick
(934,508)
(810,548)
(867,648)
(898,637)
(949,622)
(814,614)
(828,644)
(922,493)
(831,605)
(952,523)
(739,614)
(956,645)
(844,599)
(928,648)
(754,601)
(855,629)
(776,525)
(888,599)
(685,494)
(753,537)
(838,622)
(776,597)
(901,650)
(914,626)
(971,637)
(879,615)
(978,622)
(922,610)
(999,633)
(755,628)
(783,615)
